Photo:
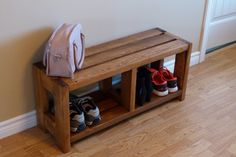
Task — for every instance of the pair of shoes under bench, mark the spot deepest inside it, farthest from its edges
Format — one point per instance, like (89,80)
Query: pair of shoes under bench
(164,82)
(83,112)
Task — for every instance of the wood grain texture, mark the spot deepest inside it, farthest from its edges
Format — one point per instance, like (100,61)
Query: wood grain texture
(41,98)
(128,89)
(62,118)
(182,62)
(108,69)
(122,41)
(127,49)
(204,125)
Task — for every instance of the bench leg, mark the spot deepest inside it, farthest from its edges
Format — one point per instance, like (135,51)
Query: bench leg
(62,120)
(41,99)
(182,62)
(128,89)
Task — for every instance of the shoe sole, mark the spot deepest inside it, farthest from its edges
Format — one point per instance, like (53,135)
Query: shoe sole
(78,129)
(161,94)
(73,129)
(94,122)
(81,127)
(173,90)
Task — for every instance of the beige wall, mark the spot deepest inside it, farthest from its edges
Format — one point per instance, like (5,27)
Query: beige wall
(26,24)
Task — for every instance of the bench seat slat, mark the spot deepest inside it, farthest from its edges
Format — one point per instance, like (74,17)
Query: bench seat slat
(127,49)
(120,65)
(122,41)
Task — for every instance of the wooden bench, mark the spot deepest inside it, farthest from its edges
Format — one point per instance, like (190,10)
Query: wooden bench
(102,62)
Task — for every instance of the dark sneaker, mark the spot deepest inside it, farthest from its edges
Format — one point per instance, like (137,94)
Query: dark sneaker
(159,83)
(141,91)
(77,119)
(148,82)
(91,111)
(143,86)
(171,80)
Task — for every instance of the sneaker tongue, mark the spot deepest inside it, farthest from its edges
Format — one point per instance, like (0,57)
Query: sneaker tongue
(87,107)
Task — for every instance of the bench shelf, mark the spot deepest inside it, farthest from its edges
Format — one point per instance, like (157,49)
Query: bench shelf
(102,62)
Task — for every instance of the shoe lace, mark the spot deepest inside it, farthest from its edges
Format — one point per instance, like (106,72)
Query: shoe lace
(83,100)
(160,77)
(156,74)
(166,72)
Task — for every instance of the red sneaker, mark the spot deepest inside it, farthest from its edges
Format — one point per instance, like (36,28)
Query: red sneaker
(171,80)
(159,83)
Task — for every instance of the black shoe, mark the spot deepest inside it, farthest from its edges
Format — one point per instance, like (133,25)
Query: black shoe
(144,86)
(141,91)
(148,84)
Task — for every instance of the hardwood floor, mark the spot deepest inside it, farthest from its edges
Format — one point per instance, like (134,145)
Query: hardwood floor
(204,125)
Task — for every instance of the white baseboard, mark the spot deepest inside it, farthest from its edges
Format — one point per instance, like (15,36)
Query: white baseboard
(17,124)
(28,120)
(195,58)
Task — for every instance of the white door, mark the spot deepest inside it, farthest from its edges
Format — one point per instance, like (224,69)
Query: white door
(222,26)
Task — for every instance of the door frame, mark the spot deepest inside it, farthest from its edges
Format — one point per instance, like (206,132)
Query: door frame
(205,28)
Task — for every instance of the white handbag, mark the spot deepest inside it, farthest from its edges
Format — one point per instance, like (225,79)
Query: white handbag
(64,51)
